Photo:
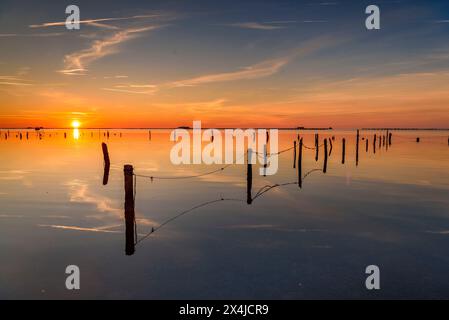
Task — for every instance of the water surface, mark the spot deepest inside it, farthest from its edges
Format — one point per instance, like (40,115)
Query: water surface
(392,210)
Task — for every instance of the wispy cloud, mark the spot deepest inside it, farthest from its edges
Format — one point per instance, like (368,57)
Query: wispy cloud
(77,62)
(259,70)
(256,26)
(75,228)
(95,22)
(31,35)
(256,71)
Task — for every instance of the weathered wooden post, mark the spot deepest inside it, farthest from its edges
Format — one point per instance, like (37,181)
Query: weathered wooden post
(343,155)
(317,147)
(300,164)
(386,138)
(249,178)
(104,147)
(129,209)
(357,148)
(367,144)
(294,154)
(107,163)
(325,156)
(265,160)
(389,138)
(268,136)
(331,146)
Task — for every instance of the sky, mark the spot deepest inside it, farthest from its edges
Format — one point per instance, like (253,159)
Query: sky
(282,63)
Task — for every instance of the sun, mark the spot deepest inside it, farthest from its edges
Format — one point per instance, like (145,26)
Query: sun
(75,124)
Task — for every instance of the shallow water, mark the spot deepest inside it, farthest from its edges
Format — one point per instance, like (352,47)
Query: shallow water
(392,210)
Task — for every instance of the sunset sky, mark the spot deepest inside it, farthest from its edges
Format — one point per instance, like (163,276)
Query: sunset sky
(227,63)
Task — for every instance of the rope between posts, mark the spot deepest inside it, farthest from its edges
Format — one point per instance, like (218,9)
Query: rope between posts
(203,174)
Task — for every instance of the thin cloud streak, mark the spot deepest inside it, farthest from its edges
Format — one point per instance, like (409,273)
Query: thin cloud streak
(255,26)
(77,62)
(94,22)
(260,70)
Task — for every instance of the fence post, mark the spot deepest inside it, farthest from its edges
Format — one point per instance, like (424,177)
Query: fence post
(300,164)
(294,154)
(343,155)
(357,148)
(249,178)
(325,156)
(129,209)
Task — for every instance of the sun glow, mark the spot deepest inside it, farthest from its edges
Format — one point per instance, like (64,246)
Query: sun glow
(75,124)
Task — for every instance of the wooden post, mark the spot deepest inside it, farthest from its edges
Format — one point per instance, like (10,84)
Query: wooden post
(389,138)
(387,144)
(367,144)
(149,135)
(325,156)
(331,146)
(294,154)
(300,164)
(104,147)
(129,209)
(107,163)
(317,147)
(265,160)
(343,155)
(268,136)
(418,140)
(249,178)
(357,148)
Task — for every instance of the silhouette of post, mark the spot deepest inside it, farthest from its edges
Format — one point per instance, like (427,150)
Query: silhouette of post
(294,154)
(104,147)
(149,135)
(331,146)
(343,155)
(129,209)
(325,156)
(317,147)
(367,145)
(300,164)
(374,144)
(265,160)
(389,138)
(249,178)
(357,148)
(107,163)
(418,140)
